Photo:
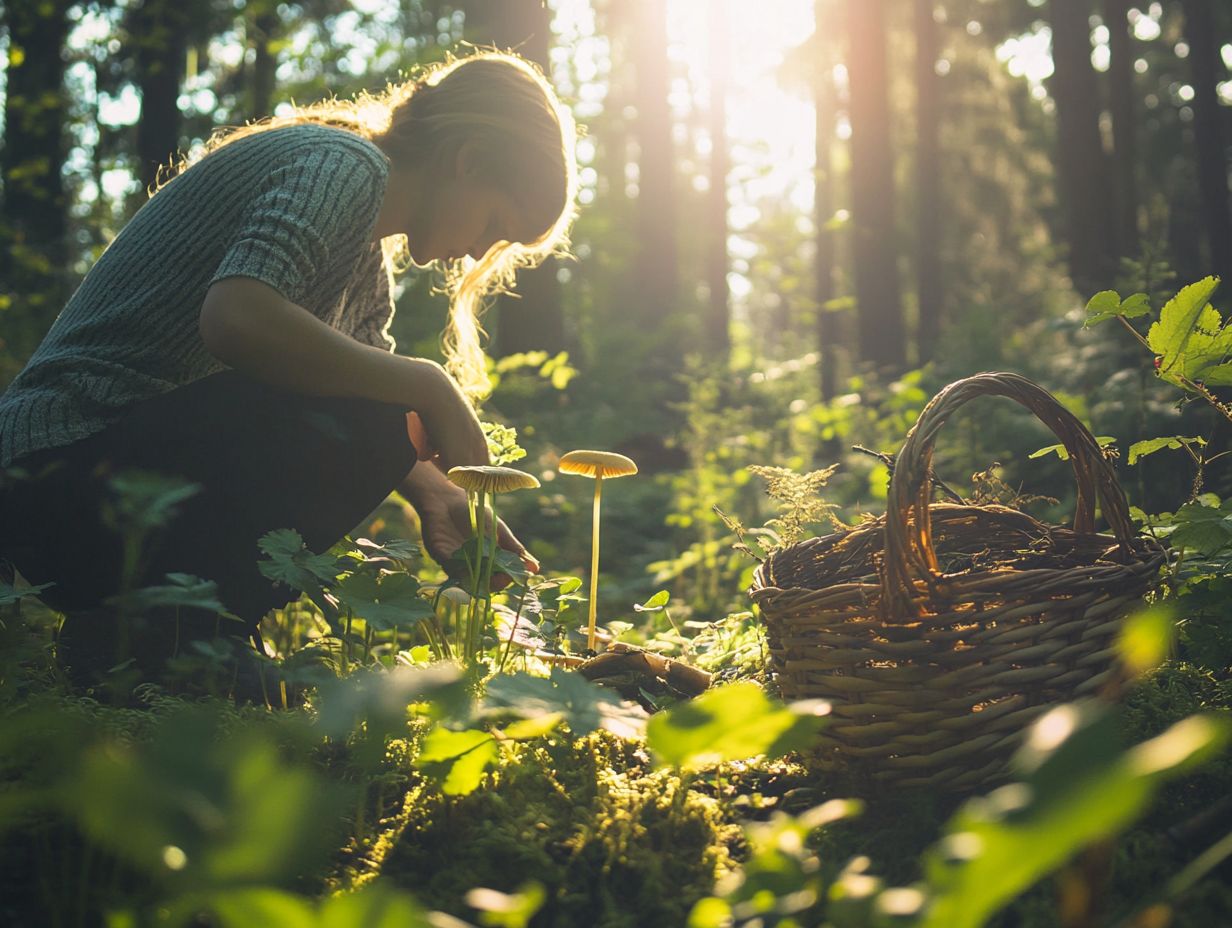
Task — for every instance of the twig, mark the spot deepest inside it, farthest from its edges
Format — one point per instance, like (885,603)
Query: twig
(888,461)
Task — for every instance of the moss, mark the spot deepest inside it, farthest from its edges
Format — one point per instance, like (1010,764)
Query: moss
(615,843)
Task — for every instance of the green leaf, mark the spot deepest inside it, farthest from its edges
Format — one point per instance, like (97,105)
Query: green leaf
(1135,305)
(710,912)
(510,564)
(1141,449)
(382,699)
(184,590)
(290,562)
(529,729)
(457,760)
(582,705)
(1081,790)
(1205,529)
(730,723)
(270,908)
(1169,336)
(398,549)
(1218,376)
(143,500)
(202,789)
(1060,451)
(384,601)
(1108,304)
(655,603)
(375,905)
(1146,638)
(1207,348)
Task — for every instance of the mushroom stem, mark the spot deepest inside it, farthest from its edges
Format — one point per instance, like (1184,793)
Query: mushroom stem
(594,565)
(474,616)
(485,583)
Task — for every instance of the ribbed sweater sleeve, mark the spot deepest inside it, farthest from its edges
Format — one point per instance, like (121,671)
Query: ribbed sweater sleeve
(309,216)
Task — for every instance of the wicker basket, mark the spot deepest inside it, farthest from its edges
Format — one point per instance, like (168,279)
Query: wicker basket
(938,631)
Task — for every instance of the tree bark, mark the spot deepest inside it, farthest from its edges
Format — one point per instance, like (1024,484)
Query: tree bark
(1081,163)
(655,224)
(158,33)
(1209,136)
(928,183)
(824,107)
(716,331)
(1122,103)
(34,211)
(265,62)
(878,294)
(534,320)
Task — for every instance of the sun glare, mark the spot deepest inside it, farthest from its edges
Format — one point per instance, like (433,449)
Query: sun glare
(769,123)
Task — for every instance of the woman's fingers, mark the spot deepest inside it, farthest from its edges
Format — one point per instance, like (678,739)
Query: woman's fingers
(507,540)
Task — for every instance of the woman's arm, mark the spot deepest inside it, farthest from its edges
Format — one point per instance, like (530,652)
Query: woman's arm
(252,328)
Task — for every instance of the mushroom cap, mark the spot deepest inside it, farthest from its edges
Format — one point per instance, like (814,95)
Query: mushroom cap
(489,478)
(597,464)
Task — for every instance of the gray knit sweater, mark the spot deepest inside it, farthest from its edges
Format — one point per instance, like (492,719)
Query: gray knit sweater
(293,207)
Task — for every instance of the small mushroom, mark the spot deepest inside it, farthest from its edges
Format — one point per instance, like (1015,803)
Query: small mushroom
(488,478)
(481,481)
(596,464)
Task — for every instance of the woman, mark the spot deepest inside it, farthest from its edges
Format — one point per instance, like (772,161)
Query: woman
(235,334)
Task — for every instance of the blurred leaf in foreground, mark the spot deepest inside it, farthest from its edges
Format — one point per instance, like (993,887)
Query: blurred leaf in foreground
(731,723)
(1078,789)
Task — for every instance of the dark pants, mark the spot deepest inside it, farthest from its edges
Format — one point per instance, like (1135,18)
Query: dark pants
(264,458)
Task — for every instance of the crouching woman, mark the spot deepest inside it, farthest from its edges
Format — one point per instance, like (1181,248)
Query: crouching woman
(236,335)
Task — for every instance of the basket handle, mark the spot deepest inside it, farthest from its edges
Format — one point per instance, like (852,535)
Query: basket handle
(909,553)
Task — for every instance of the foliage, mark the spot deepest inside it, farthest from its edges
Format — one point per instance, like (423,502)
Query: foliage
(800,497)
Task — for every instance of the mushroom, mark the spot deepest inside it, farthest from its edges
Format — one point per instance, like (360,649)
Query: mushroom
(481,481)
(596,464)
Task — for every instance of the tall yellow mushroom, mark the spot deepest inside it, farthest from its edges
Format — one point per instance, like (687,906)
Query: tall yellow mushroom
(480,482)
(596,464)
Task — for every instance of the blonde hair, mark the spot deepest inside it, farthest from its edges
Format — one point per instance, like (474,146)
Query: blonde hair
(520,139)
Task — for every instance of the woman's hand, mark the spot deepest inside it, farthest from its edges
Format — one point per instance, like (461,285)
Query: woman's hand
(444,421)
(445,520)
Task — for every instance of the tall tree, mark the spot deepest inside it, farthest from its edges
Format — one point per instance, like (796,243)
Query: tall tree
(929,200)
(656,270)
(1209,135)
(34,210)
(716,330)
(158,37)
(878,295)
(1122,103)
(262,25)
(534,319)
(824,109)
(1081,163)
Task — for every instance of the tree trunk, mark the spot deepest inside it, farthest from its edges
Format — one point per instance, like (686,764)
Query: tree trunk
(534,320)
(928,219)
(1081,163)
(1209,137)
(878,296)
(656,264)
(264,64)
(1124,126)
(716,332)
(158,32)
(824,107)
(34,212)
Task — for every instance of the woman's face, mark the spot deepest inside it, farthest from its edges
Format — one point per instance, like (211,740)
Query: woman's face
(463,217)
